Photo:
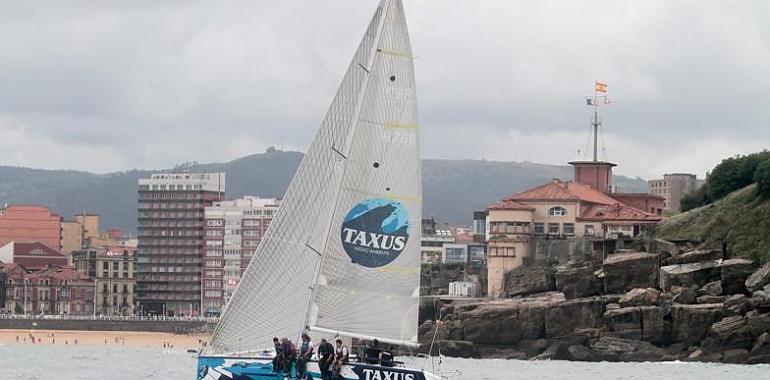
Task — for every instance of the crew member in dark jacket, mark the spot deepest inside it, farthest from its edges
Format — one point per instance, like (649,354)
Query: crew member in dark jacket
(373,353)
(278,359)
(325,353)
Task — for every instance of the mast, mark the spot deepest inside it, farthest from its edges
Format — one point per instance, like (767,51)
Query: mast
(595,101)
(385,7)
(595,123)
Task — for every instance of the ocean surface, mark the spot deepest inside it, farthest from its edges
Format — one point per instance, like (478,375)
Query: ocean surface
(119,363)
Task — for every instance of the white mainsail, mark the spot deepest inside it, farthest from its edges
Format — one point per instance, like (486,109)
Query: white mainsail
(342,254)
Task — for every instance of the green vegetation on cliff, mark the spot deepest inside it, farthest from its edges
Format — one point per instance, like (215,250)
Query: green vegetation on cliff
(741,220)
(733,173)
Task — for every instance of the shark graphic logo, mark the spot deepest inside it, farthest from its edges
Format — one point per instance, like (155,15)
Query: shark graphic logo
(375,232)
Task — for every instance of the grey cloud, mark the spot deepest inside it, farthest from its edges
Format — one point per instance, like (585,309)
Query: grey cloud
(151,84)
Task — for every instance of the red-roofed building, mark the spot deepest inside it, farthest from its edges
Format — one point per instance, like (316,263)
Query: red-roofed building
(654,204)
(47,290)
(30,223)
(557,210)
(31,254)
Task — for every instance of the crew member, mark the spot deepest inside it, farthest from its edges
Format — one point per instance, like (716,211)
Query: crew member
(325,357)
(289,353)
(305,354)
(373,353)
(340,357)
(278,359)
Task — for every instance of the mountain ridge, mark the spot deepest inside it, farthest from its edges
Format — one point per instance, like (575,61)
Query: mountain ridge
(452,189)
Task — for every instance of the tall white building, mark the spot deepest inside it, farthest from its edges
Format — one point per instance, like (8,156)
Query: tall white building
(233,230)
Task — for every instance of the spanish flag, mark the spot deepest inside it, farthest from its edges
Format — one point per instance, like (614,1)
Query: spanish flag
(601,87)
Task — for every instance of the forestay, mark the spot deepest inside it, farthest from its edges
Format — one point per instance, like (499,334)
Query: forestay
(347,234)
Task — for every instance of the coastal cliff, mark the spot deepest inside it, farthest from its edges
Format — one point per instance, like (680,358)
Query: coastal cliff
(633,306)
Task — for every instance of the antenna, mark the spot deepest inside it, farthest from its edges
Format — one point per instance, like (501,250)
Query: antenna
(596,101)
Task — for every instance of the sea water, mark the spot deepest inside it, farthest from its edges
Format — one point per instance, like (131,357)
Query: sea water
(131,363)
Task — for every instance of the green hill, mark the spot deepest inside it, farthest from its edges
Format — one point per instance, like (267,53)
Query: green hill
(740,220)
(452,189)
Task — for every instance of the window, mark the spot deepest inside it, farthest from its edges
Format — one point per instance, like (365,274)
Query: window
(589,230)
(455,255)
(569,228)
(213,263)
(213,252)
(557,211)
(510,227)
(539,228)
(553,228)
(476,253)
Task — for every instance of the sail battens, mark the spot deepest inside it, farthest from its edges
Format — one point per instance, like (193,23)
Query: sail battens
(343,155)
(313,249)
(401,126)
(399,269)
(403,197)
(395,53)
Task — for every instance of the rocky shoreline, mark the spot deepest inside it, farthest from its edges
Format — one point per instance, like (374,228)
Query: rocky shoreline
(632,306)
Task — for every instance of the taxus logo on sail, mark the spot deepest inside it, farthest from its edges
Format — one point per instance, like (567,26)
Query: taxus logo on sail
(383,374)
(375,232)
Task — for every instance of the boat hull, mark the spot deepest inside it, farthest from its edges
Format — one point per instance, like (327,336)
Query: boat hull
(259,368)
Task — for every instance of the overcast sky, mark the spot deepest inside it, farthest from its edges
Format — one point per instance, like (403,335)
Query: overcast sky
(100,87)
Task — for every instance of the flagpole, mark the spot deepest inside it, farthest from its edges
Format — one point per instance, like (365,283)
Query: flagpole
(596,121)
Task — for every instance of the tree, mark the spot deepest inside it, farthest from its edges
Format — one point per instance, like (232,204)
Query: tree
(697,198)
(732,174)
(762,178)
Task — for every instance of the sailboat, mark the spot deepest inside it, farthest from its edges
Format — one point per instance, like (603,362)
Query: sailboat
(341,257)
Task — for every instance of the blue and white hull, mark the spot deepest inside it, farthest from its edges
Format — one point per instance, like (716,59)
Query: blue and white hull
(261,367)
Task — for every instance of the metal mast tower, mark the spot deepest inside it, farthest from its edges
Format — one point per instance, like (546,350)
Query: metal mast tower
(596,101)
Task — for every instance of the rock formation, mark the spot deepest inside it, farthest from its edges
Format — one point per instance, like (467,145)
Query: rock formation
(633,306)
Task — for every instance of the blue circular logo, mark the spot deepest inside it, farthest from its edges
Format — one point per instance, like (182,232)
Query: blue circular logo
(375,232)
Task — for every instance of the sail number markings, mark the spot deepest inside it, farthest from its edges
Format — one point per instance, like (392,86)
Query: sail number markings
(400,133)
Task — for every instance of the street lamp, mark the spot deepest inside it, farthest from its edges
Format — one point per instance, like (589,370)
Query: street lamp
(96,292)
(25,296)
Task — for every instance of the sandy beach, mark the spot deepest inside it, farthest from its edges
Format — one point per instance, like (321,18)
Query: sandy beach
(111,338)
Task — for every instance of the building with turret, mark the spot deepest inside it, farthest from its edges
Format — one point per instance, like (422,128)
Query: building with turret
(582,211)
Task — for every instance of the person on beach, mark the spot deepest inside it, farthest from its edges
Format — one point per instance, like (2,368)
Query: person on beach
(341,357)
(325,356)
(278,359)
(305,354)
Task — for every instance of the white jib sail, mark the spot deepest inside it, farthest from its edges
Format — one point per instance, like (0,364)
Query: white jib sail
(347,234)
